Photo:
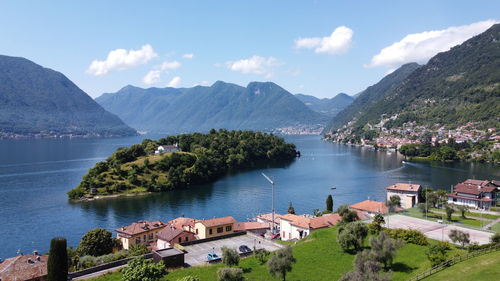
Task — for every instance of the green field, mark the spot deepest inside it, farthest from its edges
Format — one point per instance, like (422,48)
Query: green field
(319,257)
(484,268)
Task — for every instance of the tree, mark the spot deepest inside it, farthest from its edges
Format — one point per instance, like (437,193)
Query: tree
(347,214)
(422,207)
(376,226)
(140,269)
(230,274)
(261,255)
(96,242)
(329,203)
(394,201)
(449,212)
(437,253)
(281,262)
(352,235)
(462,209)
(230,256)
(495,238)
(365,268)
(291,209)
(57,265)
(459,236)
(138,250)
(383,248)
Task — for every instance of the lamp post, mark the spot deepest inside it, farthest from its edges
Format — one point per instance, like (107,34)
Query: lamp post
(272,201)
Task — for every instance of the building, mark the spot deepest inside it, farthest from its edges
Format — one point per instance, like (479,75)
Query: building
(480,194)
(297,227)
(167,149)
(170,257)
(255,227)
(409,193)
(267,218)
(24,267)
(370,208)
(139,233)
(214,227)
(171,235)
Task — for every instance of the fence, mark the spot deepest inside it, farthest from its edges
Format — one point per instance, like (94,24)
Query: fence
(453,261)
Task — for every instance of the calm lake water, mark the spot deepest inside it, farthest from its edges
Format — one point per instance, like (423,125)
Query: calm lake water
(36,174)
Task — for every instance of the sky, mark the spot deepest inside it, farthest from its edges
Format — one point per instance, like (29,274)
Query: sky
(319,48)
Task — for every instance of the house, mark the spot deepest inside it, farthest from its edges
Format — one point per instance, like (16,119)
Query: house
(267,218)
(139,233)
(409,193)
(253,227)
(184,223)
(370,208)
(214,227)
(298,227)
(167,149)
(171,235)
(24,267)
(479,194)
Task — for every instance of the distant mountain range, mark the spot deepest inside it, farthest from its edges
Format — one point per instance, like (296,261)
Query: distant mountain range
(454,88)
(259,106)
(37,101)
(327,106)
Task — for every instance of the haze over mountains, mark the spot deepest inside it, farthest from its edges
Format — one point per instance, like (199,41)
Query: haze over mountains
(37,101)
(259,106)
(327,106)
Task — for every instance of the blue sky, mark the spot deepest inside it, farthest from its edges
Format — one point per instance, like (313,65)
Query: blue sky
(287,42)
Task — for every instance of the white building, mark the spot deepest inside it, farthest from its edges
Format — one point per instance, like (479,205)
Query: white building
(479,194)
(167,149)
(298,227)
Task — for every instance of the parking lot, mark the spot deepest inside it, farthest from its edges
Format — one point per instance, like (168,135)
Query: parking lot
(196,254)
(435,230)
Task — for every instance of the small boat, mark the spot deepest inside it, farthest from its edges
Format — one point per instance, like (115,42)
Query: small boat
(403,162)
(333,187)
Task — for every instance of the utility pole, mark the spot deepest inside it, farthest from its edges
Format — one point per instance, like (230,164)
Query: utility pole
(272,201)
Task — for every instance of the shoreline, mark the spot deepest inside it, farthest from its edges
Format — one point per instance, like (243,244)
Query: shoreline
(111,196)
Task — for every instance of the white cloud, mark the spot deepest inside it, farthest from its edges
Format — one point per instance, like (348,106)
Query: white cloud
(338,42)
(152,77)
(255,65)
(420,47)
(121,59)
(175,82)
(188,56)
(170,65)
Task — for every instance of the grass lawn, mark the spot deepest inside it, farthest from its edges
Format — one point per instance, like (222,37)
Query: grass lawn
(319,257)
(472,214)
(496,227)
(414,212)
(482,268)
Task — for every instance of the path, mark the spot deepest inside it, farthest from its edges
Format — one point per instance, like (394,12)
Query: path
(486,227)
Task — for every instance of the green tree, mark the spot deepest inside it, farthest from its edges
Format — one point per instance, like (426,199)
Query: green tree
(291,209)
(437,253)
(462,209)
(376,225)
(230,256)
(459,236)
(384,248)
(281,262)
(96,242)
(57,265)
(138,250)
(394,201)
(495,238)
(140,269)
(261,255)
(352,235)
(230,274)
(365,268)
(347,214)
(329,203)
(422,207)
(449,212)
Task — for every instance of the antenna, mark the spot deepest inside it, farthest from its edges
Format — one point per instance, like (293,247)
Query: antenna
(272,201)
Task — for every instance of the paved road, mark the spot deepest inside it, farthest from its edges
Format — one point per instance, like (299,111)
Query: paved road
(435,230)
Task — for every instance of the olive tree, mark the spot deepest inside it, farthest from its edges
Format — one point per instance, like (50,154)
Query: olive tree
(230,256)
(281,263)
(459,236)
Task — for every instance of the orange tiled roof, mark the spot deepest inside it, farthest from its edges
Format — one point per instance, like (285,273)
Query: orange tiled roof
(217,221)
(23,267)
(180,222)
(404,187)
(269,217)
(312,222)
(370,206)
(140,227)
(244,226)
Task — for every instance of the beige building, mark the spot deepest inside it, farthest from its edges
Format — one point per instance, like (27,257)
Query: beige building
(408,193)
(214,227)
(140,233)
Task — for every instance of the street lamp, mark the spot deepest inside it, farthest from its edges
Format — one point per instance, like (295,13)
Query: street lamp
(272,201)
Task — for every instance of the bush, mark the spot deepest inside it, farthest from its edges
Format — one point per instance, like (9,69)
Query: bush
(230,257)
(138,250)
(86,262)
(261,255)
(408,235)
(437,253)
(140,269)
(230,274)
(495,238)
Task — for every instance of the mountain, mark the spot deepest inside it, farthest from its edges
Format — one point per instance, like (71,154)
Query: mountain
(370,96)
(329,107)
(259,106)
(37,101)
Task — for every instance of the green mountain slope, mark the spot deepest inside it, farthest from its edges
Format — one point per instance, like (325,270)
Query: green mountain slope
(370,96)
(259,106)
(327,106)
(37,101)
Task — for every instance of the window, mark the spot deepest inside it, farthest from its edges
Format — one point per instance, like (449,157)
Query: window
(197,231)
(180,239)
(210,231)
(138,240)
(144,237)
(186,239)
(229,228)
(151,236)
(220,229)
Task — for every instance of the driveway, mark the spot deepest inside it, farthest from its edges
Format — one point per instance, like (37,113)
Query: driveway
(435,230)
(196,254)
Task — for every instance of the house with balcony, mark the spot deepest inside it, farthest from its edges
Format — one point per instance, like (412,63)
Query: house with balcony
(479,194)
(214,227)
(139,233)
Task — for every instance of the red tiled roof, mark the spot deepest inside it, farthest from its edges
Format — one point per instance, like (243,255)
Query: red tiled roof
(170,232)
(140,227)
(473,189)
(370,206)
(312,222)
(180,222)
(217,221)
(404,187)
(20,268)
(476,182)
(244,226)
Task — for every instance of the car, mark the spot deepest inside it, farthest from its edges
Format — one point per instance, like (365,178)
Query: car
(212,257)
(244,249)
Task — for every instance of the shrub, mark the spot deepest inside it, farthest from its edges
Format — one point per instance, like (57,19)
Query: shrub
(437,253)
(138,250)
(230,274)
(86,262)
(495,238)
(140,269)
(408,235)
(261,255)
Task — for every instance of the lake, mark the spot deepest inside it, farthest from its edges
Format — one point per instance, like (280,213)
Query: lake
(36,174)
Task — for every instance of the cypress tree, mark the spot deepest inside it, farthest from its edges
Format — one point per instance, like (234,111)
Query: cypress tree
(57,265)
(329,203)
